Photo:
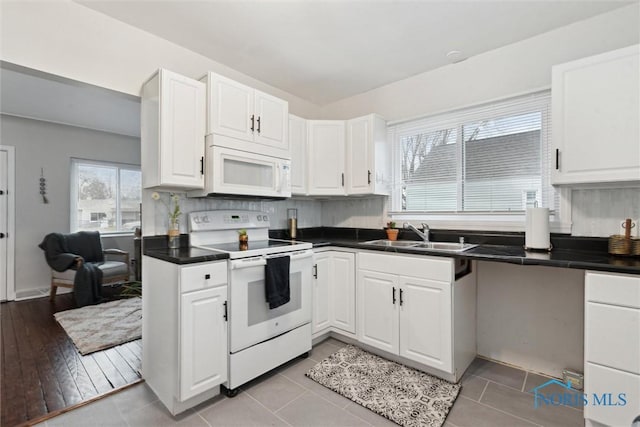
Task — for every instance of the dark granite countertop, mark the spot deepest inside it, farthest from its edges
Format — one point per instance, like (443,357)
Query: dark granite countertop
(156,247)
(569,252)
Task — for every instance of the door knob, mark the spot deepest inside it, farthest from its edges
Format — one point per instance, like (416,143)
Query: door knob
(1,235)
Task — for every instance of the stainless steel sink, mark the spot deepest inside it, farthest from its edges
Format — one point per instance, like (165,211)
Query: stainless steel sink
(392,243)
(420,246)
(445,246)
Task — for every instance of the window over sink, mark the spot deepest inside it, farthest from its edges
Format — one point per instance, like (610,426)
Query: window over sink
(488,161)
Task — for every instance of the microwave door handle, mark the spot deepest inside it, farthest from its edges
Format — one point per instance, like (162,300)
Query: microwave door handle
(278,178)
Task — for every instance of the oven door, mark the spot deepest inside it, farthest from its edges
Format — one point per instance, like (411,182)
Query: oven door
(249,174)
(251,320)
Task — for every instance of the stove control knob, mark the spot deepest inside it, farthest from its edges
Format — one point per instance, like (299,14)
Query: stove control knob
(265,218)
(259,217)
(196,219)
(205,219)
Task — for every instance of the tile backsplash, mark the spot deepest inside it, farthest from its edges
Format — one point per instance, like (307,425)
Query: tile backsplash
(156,222)
(599,212)
(595,212)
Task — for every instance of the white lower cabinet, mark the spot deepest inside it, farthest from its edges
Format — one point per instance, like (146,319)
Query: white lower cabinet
(334,292)
(184,331)
(612,349)
(425,321)
(406,308)
(320,314)
(203,347)
(378,311)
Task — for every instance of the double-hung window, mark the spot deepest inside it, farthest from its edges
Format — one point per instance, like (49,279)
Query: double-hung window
(105,196)
(487,161)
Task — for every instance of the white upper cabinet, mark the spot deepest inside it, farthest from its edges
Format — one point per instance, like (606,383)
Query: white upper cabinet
(596,118)
(252,120)
(326,157)
(230,108)
(367,156)
(272,121)
(172,132)
(298,143)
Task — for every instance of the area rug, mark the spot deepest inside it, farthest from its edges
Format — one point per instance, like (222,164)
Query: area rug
(401,394)
(98,327)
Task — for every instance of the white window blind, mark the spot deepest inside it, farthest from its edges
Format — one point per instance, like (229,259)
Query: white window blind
(493,158)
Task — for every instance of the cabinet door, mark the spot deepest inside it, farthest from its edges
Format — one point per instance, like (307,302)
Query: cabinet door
(272,122)
(612,336)
(343,291)
(203,335)
(326,157)
(182,128)
(595,111)
(298,143)
(320,318)
(604,387)
(425,322)
(377,310)
(230,108)
(359,155)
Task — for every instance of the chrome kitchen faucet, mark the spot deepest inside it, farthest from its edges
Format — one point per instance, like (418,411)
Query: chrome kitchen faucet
(424,234)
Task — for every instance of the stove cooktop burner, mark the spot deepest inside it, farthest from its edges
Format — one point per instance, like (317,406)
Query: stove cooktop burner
(251,245)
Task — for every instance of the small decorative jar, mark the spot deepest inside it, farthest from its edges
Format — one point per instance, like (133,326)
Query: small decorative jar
(243,240)
(174,234)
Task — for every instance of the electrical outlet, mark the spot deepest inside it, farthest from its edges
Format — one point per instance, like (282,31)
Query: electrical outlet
(576,379)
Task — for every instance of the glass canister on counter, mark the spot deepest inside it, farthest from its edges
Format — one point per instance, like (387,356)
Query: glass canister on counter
(292,222)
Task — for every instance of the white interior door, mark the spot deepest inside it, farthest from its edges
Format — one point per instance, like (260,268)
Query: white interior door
(7,286)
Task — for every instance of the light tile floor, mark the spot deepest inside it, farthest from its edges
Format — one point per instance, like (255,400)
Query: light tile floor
(492,395)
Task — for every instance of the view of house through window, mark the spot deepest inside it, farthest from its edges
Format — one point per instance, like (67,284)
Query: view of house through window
(105,196)
(492,160)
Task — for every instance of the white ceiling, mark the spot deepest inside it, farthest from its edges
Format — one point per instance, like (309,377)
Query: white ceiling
(324,51)
(37,95)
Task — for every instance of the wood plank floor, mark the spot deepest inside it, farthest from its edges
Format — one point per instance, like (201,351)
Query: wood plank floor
(42,371)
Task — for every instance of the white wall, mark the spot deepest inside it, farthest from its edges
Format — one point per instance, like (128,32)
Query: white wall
(67,39)
(514,69)
(50,146)
(531,316)
(517,68)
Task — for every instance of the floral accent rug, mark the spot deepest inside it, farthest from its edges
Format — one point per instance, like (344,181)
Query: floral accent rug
(401,394)
(98,327)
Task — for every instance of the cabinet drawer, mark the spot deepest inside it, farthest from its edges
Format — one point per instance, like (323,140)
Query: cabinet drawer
(612,336)
(434,268)
(202,276)
(614,387)
(616,289)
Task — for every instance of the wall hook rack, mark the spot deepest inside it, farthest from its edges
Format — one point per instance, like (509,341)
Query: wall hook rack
(43,186)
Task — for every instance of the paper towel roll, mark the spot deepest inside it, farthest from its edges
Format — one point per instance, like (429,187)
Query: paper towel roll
(537,229)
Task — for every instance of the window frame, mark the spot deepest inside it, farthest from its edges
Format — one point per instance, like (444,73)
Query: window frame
(73,185)
(560,221)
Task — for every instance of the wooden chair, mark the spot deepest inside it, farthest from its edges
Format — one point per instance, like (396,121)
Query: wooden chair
(112,272)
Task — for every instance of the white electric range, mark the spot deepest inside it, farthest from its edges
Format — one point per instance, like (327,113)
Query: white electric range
(260,338)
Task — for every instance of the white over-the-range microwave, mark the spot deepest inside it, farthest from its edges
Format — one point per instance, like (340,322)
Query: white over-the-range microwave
(234,172)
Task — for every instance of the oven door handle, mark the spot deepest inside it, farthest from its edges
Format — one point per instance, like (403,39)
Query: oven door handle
(301,255)
(237,265)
